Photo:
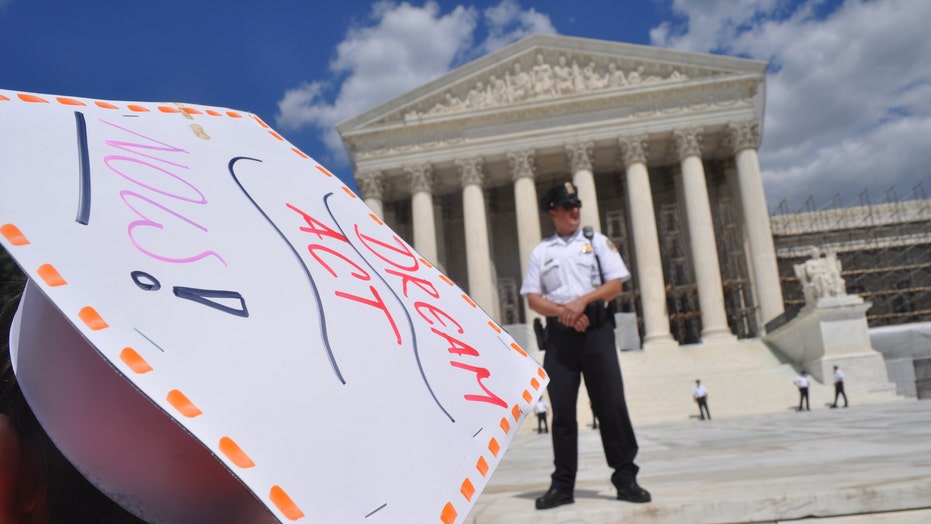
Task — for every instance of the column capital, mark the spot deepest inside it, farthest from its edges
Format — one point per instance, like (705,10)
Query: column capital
(371,184)
(687,142)
(580,155)
(523,164)
(421,178)
(634,149)
(742,135)
(470,169)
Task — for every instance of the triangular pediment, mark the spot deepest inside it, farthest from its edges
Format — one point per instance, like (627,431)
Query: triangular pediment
(544,69)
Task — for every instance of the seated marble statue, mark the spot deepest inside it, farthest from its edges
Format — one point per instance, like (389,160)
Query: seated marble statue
(562,75)
(820,276)
(519,84)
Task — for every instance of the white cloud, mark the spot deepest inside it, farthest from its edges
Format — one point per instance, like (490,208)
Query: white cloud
(376,62)
(400,47)
(710,25)
(507,23)
(848,92)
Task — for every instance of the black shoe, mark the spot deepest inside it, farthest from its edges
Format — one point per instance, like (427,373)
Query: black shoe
(633,493)
(553,498)
(833,406)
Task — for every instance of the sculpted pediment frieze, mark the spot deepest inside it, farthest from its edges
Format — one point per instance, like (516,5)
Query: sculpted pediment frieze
(557,80)
(547,78)
(540,75)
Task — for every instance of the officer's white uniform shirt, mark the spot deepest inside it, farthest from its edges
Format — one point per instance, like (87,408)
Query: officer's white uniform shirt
(838,376)
(801,381)
(563,269)
(700,391)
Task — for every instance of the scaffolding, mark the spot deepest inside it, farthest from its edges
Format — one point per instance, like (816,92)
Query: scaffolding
(682,303)
(884,249)
(738,296)
(681,290)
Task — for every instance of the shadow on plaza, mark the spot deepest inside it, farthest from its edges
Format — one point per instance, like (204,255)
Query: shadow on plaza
(578,494)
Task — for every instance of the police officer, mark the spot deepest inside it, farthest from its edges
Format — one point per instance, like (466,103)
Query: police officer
(569,280)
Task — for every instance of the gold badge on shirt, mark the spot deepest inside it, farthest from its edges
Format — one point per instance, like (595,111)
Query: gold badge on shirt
(586,249)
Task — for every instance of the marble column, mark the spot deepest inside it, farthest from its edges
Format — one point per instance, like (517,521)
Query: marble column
(478,252)
(421,178)
(371,185)
(743,139)
(649,265)
(527,209)
(580,156)
(704,253)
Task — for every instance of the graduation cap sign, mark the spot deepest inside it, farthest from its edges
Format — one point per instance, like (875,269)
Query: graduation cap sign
(217,329)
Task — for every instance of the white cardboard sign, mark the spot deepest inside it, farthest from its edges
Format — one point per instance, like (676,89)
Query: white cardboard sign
(255,300)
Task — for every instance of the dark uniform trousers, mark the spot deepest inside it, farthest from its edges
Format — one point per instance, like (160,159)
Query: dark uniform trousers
(569,355)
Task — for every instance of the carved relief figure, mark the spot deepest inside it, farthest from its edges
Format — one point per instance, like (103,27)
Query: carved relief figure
(519,84)
(634,76)
(453,102)
(615,77)
(578,83)
(478,96)
(499,90)
(591,78)
(563,76)
(649,79)
(820,276)
(543,83)
(450,103)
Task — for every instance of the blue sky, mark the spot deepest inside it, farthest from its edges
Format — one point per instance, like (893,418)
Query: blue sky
(848,94)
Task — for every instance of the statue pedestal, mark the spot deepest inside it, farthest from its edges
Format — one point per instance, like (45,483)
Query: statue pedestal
(833,332)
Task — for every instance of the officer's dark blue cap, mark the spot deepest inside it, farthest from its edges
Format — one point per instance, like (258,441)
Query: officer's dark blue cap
(560,195)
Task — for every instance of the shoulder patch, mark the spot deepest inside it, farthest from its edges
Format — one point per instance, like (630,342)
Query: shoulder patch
(610,245)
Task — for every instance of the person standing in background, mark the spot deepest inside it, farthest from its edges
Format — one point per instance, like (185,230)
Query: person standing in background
(839,386)
(700,394)
(801,382)
(541,407)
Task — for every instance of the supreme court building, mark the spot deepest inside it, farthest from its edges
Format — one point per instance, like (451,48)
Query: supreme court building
(662,145)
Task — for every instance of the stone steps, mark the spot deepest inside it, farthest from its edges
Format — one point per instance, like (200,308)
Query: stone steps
(743,378)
